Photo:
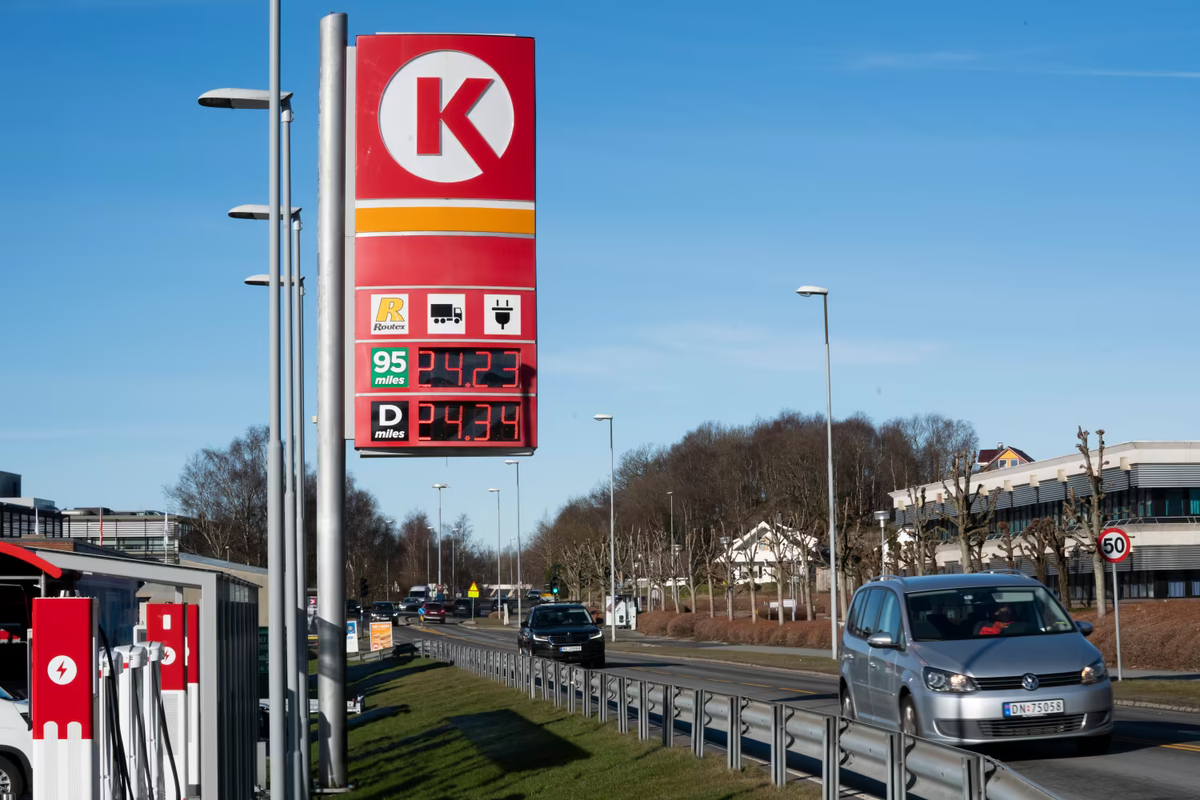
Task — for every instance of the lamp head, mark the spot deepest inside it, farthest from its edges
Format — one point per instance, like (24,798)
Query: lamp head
(263,279)
(511,461)
(440,486)
(883,516)
(809,291)
(241,98)
(253,211)
(603,417)
(493,490)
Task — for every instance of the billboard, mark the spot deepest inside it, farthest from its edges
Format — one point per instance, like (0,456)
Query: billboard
(444,304)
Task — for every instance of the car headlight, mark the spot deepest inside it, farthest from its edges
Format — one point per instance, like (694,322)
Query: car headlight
(597,635)
(537,638)
(939,680)
(1094,673)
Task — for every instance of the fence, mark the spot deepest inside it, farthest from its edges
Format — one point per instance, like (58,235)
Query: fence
(787,738)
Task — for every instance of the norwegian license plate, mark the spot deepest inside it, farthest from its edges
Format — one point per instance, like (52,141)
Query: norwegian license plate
(575,648)
(1037,708)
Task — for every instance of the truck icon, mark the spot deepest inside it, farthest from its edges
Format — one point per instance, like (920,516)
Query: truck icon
(445,312)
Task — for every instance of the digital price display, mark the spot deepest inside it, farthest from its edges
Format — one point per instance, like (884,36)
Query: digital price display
(468,421)
(443,339)
(473,368)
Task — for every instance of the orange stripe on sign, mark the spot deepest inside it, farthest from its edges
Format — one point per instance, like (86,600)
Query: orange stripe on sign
(480,220)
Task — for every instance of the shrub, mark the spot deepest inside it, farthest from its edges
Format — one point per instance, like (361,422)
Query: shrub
(682,626)
(654,623)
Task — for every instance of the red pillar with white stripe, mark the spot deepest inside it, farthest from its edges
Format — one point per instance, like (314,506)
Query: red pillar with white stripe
(63,699)
(166,623)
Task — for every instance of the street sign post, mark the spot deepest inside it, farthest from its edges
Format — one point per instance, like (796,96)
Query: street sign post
(444,340)
(1115,547)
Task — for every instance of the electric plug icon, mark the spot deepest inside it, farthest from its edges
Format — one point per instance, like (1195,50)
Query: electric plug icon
(503,313)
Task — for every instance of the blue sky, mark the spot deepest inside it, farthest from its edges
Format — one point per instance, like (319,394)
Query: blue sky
(1001,200)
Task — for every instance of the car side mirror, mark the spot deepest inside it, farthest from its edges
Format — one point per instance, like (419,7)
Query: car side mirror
(883,641)
(1084,627)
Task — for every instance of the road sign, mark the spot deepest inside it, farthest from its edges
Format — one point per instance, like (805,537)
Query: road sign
(1114,545)
(473,591)
(351,636)
(444,335)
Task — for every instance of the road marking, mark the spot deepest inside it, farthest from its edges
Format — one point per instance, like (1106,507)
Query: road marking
(715,680)
(1191,748)
(790,689)
(758,685)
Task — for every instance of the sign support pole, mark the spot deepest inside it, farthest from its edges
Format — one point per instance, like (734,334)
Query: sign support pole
(1117,618)
(331,401)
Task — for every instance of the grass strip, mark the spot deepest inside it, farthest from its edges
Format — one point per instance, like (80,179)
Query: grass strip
(1177,692)
(433,731)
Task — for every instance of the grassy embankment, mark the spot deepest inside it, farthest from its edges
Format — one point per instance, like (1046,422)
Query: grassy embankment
(434,731)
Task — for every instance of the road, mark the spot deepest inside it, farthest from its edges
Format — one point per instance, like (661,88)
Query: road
(1156,754)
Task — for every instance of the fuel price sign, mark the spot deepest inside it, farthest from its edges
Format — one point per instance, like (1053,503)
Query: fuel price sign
(445,277)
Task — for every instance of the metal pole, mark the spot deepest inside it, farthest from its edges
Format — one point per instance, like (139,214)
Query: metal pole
(439,539)
(289,464)
(277,568)
(520,585)
(510,563)
(833,606)
(674,570)
(612,535)
(331,452)
(1117,620)
(497,551)
(302,742)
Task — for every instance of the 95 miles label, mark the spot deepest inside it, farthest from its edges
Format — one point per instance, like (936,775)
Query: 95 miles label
(389,368)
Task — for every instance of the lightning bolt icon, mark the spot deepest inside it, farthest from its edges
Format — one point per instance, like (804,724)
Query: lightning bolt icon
(62,668)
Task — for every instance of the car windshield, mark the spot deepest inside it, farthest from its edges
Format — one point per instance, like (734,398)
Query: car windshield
(383,606)
(979,612)
(562,616)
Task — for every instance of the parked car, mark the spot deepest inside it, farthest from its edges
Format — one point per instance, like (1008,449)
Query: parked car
(973,659)
(384,612)
(409,606)
(435,612)
(16,745)
(564,632)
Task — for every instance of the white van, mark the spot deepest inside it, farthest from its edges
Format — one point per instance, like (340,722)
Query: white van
(16,745)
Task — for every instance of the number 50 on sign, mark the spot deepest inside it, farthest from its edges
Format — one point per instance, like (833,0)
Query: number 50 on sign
(1114,545)
(389,367)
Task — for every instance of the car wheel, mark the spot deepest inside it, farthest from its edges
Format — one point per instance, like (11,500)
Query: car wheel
(1094,745)
(12,780)
(847,703)
(910,723)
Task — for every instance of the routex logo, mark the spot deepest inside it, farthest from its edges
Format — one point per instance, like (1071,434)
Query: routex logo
(446,116)
(389,314)
(389,421)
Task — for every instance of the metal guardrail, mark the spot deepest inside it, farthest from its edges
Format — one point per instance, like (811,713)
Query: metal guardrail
(786,736)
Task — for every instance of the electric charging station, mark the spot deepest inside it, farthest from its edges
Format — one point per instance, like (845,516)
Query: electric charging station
(64,690)
(167,623)
(191,658)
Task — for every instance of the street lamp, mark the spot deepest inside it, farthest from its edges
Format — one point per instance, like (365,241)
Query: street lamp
(439,487)
(674,571)
(883,517)
(514,463)
(612,537)
(431,530)
(497,491)
(283,738)
(511,542)
(453,560)
(809,291)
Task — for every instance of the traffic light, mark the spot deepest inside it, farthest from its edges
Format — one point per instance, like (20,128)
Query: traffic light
(554,585)
(364,590)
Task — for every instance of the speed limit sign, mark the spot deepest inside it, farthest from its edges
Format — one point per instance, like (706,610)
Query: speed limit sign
(1114,545)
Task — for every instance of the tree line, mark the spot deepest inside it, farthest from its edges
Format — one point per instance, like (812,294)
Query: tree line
(725,479)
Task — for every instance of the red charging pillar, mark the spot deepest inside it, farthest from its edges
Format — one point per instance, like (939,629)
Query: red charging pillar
(167,623)
(65,752)
(192,652)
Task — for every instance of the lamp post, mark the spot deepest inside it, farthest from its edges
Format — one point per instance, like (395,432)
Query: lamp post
(511,542)
(520,612)
(809,291)
(273,101)
(453,559)
(497,491)
(674,571)
(427,559)
(439,487)
(883,517)
(612,537)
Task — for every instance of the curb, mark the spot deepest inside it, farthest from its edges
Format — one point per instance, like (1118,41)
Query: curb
(808,672)
(1157,706)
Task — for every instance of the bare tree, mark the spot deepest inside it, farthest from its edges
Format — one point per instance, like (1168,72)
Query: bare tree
(1089,514)
(973,510)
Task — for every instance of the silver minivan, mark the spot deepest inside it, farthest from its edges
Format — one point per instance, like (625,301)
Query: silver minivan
(973,659)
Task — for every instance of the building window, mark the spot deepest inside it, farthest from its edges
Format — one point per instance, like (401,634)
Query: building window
(1003,463)
(1194,501)
(1174,502)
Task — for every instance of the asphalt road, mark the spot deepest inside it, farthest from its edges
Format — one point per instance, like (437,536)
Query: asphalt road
(1156,754)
